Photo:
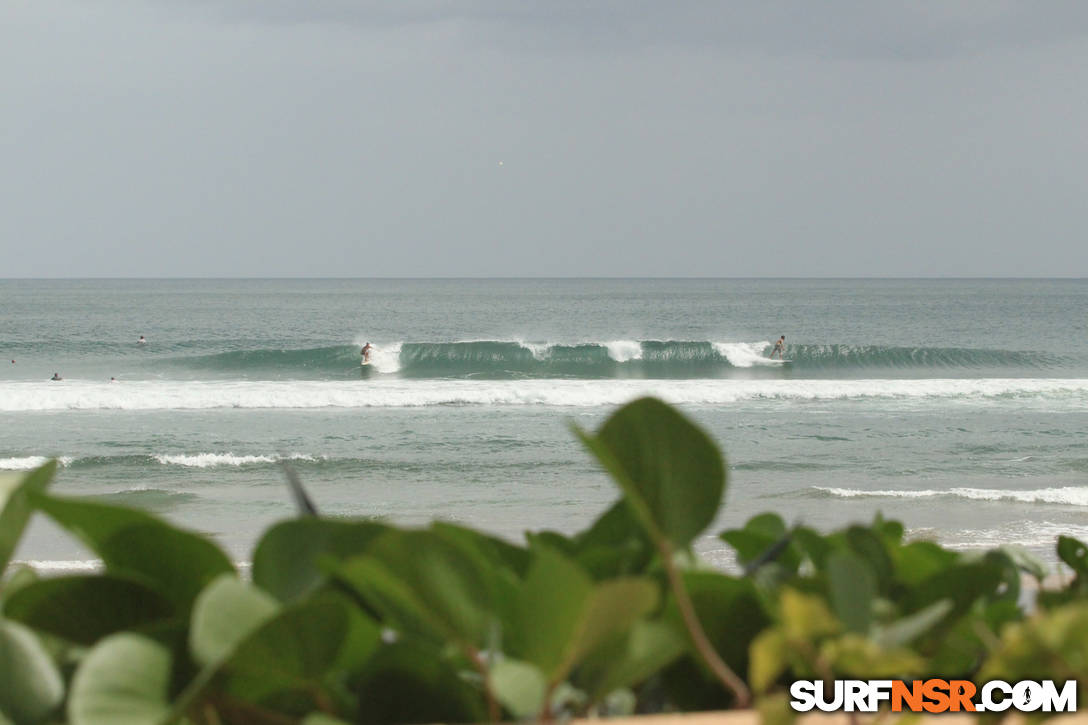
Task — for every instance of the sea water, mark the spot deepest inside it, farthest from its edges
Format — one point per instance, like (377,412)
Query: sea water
(959,406)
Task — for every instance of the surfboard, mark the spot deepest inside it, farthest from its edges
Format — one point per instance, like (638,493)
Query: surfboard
(365,362)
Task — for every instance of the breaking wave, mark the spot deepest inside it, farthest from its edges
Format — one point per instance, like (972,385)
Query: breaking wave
(1066,495)
(389,392)
(609,359)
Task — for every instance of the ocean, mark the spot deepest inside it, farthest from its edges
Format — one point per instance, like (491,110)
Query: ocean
(958,406)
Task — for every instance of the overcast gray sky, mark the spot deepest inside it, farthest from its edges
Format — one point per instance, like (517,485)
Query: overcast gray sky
(543,138)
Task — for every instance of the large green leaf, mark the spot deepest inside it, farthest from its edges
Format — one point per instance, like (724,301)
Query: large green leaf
(763,539)
(670,471)
(177,563)
(295,556)
(426,582)
(630,658)
(407,682)
(300,657)
(30,684)
(962,584)
(501,554)
(83,608)
(519,686)
(123,680)
(564,615)
(870,546)
(223,615)
(1074,553)
(16,507)
(853,586)
(617,544)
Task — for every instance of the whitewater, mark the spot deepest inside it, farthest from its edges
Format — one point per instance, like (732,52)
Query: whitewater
(394,393)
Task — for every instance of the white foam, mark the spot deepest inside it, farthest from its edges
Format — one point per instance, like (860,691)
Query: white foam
(62,564)
(1017,533)
(394,392)
(386,358)
(744,354)
(207,460)
(1067,495)
(624,350)
(539,350)
(27,463)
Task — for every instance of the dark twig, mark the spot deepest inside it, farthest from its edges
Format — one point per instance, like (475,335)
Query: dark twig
(302,499)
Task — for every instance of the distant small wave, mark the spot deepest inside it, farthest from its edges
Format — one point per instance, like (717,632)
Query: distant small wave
(150,498)
(27,463)
(605,359)
(208,460)
(1068,495)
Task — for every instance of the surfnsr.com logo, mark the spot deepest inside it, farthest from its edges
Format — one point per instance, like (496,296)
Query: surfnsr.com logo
(933,696)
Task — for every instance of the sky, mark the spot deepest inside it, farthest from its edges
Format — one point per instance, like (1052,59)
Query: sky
(350,138)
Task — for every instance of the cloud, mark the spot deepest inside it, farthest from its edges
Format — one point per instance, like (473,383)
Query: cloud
(842,29)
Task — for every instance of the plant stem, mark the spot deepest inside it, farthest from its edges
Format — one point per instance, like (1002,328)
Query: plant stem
(706,650)
(493,711)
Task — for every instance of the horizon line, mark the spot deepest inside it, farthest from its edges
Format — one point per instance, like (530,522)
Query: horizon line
(547,278)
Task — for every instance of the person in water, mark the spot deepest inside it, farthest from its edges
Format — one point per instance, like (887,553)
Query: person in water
(141,341)
(365,352)
(779,347)
(56,376)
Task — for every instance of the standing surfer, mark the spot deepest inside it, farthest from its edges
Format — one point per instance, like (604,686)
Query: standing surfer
(365,352)
(779,347)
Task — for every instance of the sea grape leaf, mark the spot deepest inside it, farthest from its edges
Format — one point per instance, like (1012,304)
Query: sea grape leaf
(616,544)
(224,614)
(123,680)
(426,582)
(872,550)
(320,718)
(629,658)
(84,608)
(564,615)
(962,584)
(179,564)
(855,655)
(30,683)
(919,560)
(408,682)
(669,469)
(1074,553)
(813,545)
(500,553)
(292,657)
(288,561)
(16,490)
(906,629)
(19,576)
(769,658)
(762,540)
(805,617)
(1025,561)
(852,588)
(519,686)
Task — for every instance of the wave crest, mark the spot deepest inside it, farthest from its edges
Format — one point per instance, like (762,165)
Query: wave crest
(1067,495)
(607,359)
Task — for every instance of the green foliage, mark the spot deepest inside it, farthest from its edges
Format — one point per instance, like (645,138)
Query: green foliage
(16,506)
(670,471)
(364,622)
(31,686)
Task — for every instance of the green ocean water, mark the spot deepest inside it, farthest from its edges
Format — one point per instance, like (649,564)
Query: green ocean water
(957,405)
